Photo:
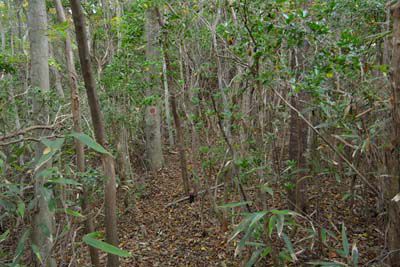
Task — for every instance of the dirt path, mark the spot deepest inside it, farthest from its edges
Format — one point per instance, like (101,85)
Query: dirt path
(159,236)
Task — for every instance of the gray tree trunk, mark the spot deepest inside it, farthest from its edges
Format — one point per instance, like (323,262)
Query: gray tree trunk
(43,221)
(152,112)
(221,74)
(167,105)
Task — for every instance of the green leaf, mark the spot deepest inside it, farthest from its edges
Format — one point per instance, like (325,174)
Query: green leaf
(4,235)
(256,217)
(289,246)
(345,242)
(254,257)
(9,206)
(73,213)
(36,251)
(21,209)
(87,140)
(241,227)
(279,224)
(267,189)
(323,236)
(46,173)
(282,212)
(271,224)
(20,246)
(90,239)
(53,144)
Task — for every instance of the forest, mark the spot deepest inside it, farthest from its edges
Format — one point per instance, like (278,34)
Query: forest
(199,133)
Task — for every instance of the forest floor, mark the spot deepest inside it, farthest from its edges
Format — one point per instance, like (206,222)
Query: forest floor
(184,234)
(187,234)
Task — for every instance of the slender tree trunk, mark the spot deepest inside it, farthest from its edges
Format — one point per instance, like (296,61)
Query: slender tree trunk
(43,221)
(181,146)
(167,104)
(169,71)
(297,197)
(220,75)
(392,183)
(152,113)
(76,118)
(99,130)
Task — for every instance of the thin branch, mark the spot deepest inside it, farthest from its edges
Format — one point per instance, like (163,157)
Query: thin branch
(26,130)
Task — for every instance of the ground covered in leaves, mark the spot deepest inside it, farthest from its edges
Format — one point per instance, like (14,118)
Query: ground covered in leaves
(188,234)
(181,235)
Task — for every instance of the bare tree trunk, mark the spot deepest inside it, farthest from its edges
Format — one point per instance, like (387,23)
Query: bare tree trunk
(181,148)
(43,217)
(99,130)
(152,113)
(169,71)
(76,118)
(297,197)
(167,106)
(392,183)
(220,75)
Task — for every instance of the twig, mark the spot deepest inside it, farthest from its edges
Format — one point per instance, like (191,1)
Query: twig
(24,131)
(29,139)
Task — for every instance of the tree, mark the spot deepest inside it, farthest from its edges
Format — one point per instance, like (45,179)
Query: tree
(169,71)
(152,115)
(43,222)
(298,137)
(392,183)
(99,130)
(76,118)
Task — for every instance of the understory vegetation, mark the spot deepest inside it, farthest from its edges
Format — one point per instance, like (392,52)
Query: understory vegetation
(200,133)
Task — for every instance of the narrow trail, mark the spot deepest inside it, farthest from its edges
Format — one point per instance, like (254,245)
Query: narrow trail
(159,236)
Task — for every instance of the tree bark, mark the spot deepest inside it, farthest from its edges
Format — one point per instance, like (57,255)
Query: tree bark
(297,197)
(76,118)
(152,113)
(167,104)
(39,49)
(392,183)
(99,129)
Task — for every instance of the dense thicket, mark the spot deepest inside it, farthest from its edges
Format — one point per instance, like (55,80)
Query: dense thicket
(284,116)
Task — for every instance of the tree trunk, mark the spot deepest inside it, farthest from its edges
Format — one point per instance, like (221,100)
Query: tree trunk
(167,104)
(221,72)
(297,197)
(152,113)
(99,129)
(169,71)
(76,118)
(392,183)
(39,49)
